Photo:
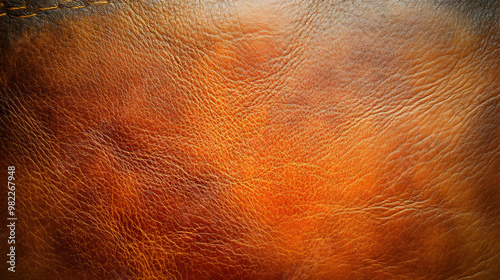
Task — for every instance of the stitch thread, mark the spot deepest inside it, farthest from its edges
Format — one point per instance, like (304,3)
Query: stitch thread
(48,8)
(16,8)
(20,8)
(25,16)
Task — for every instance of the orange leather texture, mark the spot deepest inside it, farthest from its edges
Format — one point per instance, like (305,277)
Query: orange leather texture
(253,139)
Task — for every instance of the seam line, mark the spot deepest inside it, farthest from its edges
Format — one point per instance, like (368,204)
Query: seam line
(36,11)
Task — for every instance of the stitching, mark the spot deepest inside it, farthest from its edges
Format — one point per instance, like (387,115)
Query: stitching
(16,8)
(36,11)
(48,8)
(25,16)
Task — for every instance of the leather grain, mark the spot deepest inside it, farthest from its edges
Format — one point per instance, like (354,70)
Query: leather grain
(253,139)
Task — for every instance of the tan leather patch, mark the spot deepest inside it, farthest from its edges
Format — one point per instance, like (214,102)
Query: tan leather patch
(255,140)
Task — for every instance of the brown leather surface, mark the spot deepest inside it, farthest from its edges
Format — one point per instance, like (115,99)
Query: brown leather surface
(252,139)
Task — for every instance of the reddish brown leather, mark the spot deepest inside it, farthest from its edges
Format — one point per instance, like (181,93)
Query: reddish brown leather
(253,139)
